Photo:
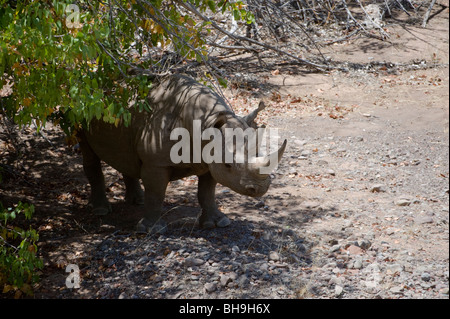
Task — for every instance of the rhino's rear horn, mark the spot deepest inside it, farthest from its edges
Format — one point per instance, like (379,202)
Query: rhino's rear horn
(279,153)
(281,150)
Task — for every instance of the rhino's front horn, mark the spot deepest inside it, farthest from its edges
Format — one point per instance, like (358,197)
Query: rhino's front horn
(266,164)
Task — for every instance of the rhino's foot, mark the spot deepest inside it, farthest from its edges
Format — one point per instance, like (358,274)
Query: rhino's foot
(135,198)
(218,219)
(100,210)
(134,194)
(145,226)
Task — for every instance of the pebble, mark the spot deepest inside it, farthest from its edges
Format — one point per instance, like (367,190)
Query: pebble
(210,287)
(322,163)
(243,280)
(364,244)
(190,262)
(355,250)
(393,269)
(396,290)
(309,205)
(403,202)
(425,276)
(444,291)
(338,227)
(423,220)
(378,188)
(335,248)
(300,142)
(224,280)
(358,264)
(305,153)
(338,290)
(273,255)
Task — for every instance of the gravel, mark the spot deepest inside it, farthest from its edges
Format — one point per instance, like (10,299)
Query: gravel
(358,208)
(360,240)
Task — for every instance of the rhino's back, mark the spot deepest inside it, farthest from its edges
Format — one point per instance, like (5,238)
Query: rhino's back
(175,102)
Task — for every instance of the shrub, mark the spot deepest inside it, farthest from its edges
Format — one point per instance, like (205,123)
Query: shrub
(18,260)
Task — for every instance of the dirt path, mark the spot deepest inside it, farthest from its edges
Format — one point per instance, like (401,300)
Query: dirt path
(359,207)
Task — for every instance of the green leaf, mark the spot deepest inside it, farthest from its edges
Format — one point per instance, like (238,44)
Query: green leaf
(212,5)
(223,82)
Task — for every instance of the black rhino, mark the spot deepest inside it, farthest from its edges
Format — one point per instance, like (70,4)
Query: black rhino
(142,151)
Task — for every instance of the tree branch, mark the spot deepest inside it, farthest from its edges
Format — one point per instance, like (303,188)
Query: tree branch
(193,10)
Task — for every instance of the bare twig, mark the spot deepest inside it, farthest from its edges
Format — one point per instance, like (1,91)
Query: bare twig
(383,33)
(193,10)
(427,14)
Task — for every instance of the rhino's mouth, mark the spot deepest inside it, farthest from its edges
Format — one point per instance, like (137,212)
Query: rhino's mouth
(254,191)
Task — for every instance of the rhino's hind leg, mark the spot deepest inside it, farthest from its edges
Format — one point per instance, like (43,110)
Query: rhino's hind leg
(92,168)
(134,194)
(211,216)
(155,182)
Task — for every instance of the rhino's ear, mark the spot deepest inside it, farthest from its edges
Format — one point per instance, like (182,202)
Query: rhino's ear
(250,118)
(217,120)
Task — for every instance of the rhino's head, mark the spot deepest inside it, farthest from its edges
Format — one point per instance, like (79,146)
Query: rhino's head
(251,175)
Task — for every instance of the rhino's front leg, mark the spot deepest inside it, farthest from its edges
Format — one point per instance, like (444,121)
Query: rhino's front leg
(211,216)
(155,182)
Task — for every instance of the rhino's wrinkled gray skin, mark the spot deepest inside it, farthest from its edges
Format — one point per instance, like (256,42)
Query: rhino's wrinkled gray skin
(142,151)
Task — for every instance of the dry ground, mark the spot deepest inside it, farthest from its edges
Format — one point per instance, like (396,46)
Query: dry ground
(358,207)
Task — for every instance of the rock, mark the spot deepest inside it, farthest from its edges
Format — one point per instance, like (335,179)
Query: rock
(423,220)
(335,248)
(264,267)
(273,255)
(243,281)
(300,142)
(260,204)
(393,269)
(403,202)
(190,262)
(330,172)
(358,264)
(123,295)
(235,249)
(444,291)
(355,250)
(108,261)
(224,280)
(335,281)
(305,153)
(396,290)
(309,205)
(338,290)
(143,260)
(233,276)
(364,244)
(157,278)
(322,163)
(425,276)
(210,287)
(378,188)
